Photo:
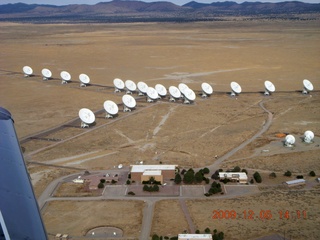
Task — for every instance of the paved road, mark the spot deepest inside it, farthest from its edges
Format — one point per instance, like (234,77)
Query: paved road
(150,202)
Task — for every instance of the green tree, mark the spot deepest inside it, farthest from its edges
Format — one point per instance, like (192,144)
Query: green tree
(128,182)
(236,169)
(198,177)
(102,180)
(207,230)
(100,185)
(188,177)
(206,170)
(272,175)
(155,237)
(288,173)
(146,188)
(257,177)
(312,174)
(178,178)
(155,188)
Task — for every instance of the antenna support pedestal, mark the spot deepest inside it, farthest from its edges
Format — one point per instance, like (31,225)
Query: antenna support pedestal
(126,109)
(109,116)
(84,125)
(204,95)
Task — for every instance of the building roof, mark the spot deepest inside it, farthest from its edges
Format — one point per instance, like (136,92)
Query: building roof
(152,172)
(142,168)
(195,236)
(240,175)
(296,181)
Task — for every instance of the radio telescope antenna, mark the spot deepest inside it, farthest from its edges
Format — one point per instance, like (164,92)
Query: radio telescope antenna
(174,93)
(84,80)
(162,91)
(152,94)
(65,76)
(87,117)
(46,74)
(27,71)
(189,96)
(269,88)
(142,87)
(182,87)
(128,103)
(206,90)
(308,136)
(118,85)
(289,141)
(131,86)
(235,89)
(307,86)
(111,108)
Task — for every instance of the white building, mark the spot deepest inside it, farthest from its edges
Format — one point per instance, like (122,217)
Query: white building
(296,182)
(194,237)
(240,177)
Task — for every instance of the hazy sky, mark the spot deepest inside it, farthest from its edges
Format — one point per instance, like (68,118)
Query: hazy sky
(91,2)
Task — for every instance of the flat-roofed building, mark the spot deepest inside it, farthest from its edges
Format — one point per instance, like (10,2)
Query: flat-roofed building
(240,177)
(194,237)
(158,172)
(296,182)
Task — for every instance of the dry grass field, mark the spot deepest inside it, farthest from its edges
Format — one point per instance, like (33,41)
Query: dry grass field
(284,52)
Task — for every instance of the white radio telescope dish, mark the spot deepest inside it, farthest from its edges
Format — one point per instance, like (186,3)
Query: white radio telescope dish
(84,80)
(131,86)
(152,94)
(189,96)
(87,117)
(289,140)
(162,91)
(235,88)
(118,85)
(269,87)
(27,71)
(46,73)
(182,87)
(66,77)
(308,136)
(142,87)
(111,108)
(307,86)
(128,103)
(174,93)
(206,90)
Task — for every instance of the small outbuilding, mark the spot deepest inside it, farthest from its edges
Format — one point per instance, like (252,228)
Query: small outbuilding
(296,182)
(240,177)
(194,237)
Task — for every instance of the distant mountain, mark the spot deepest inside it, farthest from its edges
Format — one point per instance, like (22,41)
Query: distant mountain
(124,11)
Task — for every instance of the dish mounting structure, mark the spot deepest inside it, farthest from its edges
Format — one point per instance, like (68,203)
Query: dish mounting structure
(87,117)
(174,93)
(84,80)
(65,76)
(142,87)
(111,108)
(131,86)
(27,71)
(118,85)
(307,86)
(46,74)
(289,141)
(206,90)
(189,96)
(235,89)
(269,88)
(152,94)
(128,102)
(308,136)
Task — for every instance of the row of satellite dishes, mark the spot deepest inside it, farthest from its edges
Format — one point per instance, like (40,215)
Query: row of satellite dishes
(308,137)
(183,91)
(65,76)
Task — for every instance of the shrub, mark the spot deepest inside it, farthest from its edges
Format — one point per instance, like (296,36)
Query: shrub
(131,193)
(207,230)
(198,177)
(299,177)
(113,181)
(177,178)
(257,177)
(312,174)
(102,180)
(236,169)
(207,180)
(288,174)
(252,181)
(244,170)
(272,175)
(128,182)
(100,185)
(155,237)
(188,177)
(197,231)
(206,170)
